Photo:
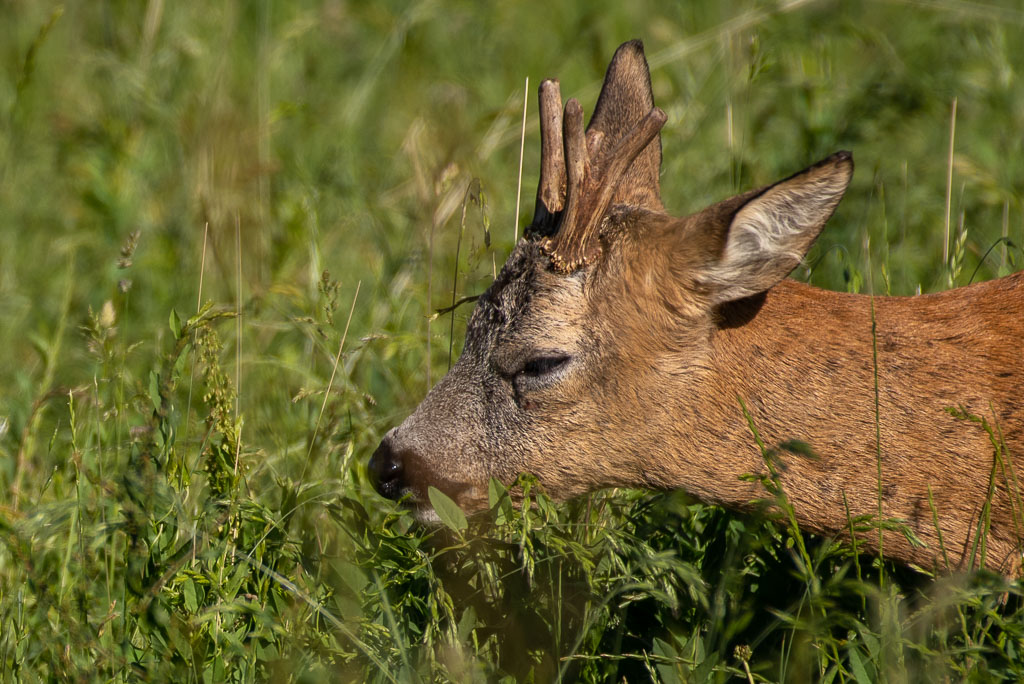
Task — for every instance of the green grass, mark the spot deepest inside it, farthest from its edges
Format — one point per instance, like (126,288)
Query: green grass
(192,195)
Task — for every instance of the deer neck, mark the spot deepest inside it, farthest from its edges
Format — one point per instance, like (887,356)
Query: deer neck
(799,360)
(867,385)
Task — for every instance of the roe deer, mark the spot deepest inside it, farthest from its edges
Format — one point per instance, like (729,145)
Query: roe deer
(617,343)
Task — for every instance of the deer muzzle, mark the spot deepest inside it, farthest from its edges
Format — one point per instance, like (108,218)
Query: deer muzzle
(387,469)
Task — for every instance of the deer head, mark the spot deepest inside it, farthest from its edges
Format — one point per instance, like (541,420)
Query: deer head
(588,358)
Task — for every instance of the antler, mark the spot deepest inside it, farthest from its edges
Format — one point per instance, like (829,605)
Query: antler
(551,188)
(584,180)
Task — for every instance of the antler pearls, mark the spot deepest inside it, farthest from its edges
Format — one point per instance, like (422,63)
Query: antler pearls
(585,179)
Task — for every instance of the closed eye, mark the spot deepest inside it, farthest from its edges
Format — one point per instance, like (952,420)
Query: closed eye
(544,365)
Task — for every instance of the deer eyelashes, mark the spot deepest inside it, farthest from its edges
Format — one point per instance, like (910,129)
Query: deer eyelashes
(539,372)
(544,365)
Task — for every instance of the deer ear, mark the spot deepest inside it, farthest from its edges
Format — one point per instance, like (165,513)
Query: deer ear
(772,229)
(626,98)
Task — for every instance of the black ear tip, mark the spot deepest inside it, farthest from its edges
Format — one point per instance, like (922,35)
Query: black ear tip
(630,61)
(842,159)
(633,48)
(635,45)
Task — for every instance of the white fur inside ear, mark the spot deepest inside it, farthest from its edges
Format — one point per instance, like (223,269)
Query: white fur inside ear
(772,233)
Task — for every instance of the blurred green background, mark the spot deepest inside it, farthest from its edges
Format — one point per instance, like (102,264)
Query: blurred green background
(154,155)
(339,135)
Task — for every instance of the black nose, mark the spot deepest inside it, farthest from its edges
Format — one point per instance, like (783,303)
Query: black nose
(387,471)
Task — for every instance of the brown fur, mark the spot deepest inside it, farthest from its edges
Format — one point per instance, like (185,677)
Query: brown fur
(630,371)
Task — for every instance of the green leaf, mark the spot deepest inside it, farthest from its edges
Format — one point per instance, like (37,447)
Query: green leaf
(857,666)
(799,448)
(180,642)
(188,592)
(231,587)
(495,492)
(466,624)
(154,389)
(175,323)
(447,510)
(352,575)
(497,495)
(666,652)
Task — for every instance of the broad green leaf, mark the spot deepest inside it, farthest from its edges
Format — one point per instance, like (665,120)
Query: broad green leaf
(352,575)
(857,666)
(447,510)
(495,491)
(666,652)
(466,624)
(498,494)
(180,642)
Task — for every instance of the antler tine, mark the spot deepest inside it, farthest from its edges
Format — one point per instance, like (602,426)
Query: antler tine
(551,188)
(625,153)
(589,194)
(562,244)
(575,157)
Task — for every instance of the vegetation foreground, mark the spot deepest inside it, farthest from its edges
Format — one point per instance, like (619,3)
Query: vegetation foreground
(224,235)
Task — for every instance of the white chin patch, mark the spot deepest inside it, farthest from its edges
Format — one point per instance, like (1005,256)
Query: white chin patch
(426,514)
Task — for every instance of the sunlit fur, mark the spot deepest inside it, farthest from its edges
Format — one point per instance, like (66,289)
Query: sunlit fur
(682,319)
